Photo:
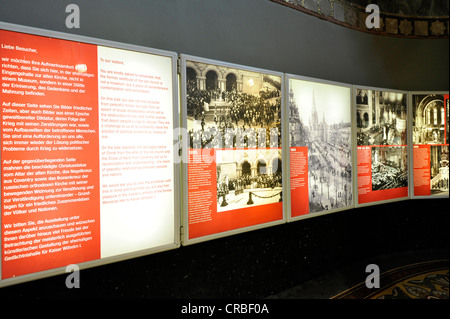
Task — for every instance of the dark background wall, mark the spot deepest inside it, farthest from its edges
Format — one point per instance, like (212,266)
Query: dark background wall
(262,34)
(256,33)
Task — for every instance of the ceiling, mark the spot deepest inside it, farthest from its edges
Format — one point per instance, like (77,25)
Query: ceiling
(427,19)
(411,8)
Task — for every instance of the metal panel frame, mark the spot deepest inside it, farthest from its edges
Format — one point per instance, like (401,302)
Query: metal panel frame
(411,148)
(116,45)
(185,240)
(289,77)
(355,87)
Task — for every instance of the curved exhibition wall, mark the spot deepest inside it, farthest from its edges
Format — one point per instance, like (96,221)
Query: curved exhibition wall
(260,34)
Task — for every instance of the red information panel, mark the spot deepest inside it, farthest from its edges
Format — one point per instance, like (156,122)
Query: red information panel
(299,181)
(71,166)
(234,166)
(215,209)
(430,144)
(50,182)
(320,139)
(382,153)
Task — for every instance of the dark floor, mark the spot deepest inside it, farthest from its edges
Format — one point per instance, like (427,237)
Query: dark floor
(339,280)
(315,258)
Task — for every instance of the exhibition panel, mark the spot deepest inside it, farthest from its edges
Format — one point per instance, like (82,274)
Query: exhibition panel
(381,145)
(233,171)
(320,151)
(429,140)
(88,172)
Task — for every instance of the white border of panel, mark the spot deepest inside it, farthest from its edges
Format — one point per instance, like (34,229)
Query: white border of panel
(410,142)
(185,218)
(363,87)
(177,209)
(287,148)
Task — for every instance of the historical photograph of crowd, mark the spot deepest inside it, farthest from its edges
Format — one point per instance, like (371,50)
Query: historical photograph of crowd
(320,118)
(439,169)
(232,108)
(248,178)
(429,119)
(381,117)
(389,167)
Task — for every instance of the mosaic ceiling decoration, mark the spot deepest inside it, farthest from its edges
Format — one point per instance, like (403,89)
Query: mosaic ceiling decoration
(398,18)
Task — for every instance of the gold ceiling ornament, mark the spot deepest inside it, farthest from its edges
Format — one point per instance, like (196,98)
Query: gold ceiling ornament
(438,28)
(406,27)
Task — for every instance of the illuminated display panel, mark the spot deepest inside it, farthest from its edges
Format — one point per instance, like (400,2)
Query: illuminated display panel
(381,141)
(429,158)
(233,118)
(87,160)
(320,146)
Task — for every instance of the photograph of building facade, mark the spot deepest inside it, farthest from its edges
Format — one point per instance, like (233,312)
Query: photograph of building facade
(248,177)
(229,107)
(320,119)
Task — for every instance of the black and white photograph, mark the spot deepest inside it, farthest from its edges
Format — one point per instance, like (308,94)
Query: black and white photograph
(320,119)
(389,167)
(381,117)
(248,178)
(429,119)
(439,174)
(232,108)
(448,114)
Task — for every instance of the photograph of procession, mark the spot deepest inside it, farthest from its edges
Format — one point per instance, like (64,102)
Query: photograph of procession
(232,108)
(320,119)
